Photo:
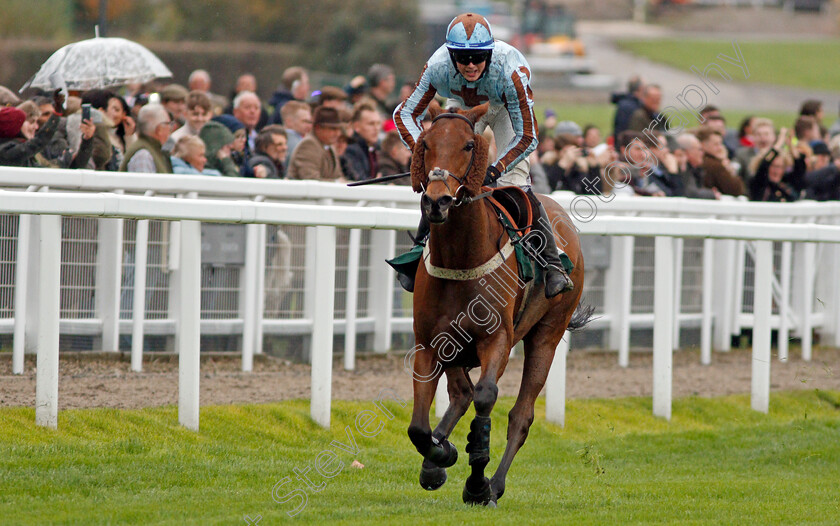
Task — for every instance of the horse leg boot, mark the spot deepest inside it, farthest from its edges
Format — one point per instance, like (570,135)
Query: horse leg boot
(541,246)
(477,489)
(423,229)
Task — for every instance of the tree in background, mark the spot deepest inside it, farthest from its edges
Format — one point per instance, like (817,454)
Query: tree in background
(22,19)
(342,37)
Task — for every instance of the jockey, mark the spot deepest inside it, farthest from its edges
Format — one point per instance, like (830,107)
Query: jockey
(471,69)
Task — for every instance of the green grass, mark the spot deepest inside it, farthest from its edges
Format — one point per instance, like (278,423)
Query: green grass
(806,64)
(602,115)
(716,462)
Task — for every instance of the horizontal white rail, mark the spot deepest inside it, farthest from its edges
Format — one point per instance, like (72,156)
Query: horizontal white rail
(91,181)
(171,209)
(244,212)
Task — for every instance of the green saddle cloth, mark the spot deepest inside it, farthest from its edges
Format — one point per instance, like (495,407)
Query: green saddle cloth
(407,263)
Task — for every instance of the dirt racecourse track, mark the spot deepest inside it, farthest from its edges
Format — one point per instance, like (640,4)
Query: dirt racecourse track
(96,380)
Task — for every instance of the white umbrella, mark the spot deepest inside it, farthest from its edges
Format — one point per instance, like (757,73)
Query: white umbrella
(98,63)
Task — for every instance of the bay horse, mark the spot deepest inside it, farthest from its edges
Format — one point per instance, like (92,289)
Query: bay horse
(451,327)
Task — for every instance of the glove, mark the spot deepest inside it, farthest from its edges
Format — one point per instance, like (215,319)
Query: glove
(492,175)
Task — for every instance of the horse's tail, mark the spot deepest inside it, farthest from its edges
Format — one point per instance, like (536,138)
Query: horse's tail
(581,317)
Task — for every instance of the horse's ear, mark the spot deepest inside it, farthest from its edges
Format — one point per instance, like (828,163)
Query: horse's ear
(481,161)
(476,113)
(434,109)
(418,164)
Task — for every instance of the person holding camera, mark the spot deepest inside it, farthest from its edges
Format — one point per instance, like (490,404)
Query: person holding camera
(22,140)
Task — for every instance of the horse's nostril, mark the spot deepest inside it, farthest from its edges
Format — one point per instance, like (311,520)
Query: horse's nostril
(445,201)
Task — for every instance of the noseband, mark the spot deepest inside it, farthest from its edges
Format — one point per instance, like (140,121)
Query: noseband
(439,174)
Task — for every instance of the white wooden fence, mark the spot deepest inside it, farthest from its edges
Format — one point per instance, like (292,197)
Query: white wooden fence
(750,228)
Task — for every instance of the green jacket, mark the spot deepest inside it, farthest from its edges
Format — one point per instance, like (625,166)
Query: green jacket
(162,163)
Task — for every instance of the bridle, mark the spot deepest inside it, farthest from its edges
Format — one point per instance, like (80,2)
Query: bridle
(439,174)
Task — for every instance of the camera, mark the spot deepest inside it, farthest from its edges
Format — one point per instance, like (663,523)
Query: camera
(85,112)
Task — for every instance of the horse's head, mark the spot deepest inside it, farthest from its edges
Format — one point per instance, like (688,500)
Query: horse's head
(449,161)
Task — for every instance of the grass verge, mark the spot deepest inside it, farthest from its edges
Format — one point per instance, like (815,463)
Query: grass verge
(715,462)
(805,64)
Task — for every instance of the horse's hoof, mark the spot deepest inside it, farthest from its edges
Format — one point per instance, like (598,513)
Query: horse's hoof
(443,455)
(497,490)
(482,495)
(432,478)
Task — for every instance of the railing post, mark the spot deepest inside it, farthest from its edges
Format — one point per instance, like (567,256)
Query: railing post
(555,386)
(322,326)
(679,246)
(189,324)
(441,396)
(706,322)
(21,291)
(834,317)
(762,309)
(249,301)
(109,280)
(807,305)
(724,286)
(619,278)
(138,303)
(663,324)
(784,303)
(735,294)
(353,249)
(260,314)
(381,296)
(49,291)
(309,281)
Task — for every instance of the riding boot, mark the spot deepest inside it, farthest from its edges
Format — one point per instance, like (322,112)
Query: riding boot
(423,229)
(557,280)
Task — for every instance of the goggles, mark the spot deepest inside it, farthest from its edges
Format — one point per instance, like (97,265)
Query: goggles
(473,56)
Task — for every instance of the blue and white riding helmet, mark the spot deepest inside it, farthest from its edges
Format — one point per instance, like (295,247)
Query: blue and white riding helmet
(469,36)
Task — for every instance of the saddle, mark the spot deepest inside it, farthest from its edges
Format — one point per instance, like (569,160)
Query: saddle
(513,203)
(516,214)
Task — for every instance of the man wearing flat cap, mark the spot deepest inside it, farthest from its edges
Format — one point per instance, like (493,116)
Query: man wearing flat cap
(314,157)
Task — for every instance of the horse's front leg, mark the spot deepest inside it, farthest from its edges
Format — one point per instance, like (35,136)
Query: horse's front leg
(493,354)
(438,453)
(460,389)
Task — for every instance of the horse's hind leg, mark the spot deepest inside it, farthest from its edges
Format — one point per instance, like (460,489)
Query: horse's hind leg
(460,390)
(539,353)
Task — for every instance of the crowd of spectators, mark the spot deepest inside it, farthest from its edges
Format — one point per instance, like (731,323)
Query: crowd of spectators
(347,134)
(648,155)
(332,134)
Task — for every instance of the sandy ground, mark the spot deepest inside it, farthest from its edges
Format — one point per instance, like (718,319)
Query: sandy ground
(97,381)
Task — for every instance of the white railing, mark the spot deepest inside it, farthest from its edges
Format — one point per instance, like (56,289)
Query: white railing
(626,275)
(723,308)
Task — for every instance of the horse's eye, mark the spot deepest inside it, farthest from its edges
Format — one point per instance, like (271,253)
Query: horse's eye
(470,145)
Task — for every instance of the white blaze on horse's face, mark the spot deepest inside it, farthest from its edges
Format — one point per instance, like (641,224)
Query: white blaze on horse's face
(449,149)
